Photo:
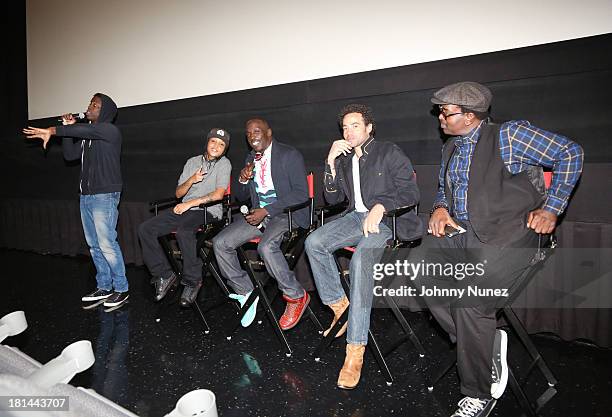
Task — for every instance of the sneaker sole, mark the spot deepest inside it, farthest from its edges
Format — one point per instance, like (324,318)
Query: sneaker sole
(501,387)
(111,309)
(117,303)
(92,305)
(90,299)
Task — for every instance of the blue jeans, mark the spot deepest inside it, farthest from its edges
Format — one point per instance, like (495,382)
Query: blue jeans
(99,217)
(320,247)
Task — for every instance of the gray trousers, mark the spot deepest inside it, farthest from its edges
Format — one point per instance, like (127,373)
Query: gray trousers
(238,233)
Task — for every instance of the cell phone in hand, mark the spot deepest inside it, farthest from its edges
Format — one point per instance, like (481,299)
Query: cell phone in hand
(450,231)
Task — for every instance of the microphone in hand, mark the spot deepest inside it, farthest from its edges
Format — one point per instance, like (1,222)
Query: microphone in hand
(78,116)
(245,212)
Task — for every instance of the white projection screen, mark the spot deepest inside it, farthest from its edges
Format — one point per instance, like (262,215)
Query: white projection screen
(147,51)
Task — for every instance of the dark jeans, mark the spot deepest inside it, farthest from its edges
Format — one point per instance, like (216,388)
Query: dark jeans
(238,233)
(471,322)
(185,225)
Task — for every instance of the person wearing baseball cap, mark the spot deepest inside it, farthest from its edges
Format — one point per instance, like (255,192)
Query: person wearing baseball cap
(204,180)
(219,134)
(491,200)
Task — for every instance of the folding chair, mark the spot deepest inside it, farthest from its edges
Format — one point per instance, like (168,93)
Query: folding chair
(204,248)
(394,244)
(373,345)
(292,248)
(546,245)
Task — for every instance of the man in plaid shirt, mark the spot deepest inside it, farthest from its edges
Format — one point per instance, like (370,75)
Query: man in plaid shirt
(491,191)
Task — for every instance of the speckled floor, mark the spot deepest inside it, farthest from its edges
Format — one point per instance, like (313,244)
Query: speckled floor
(146,366)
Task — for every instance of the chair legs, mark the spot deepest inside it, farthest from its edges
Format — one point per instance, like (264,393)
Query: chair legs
(523,336)
(372,345)
(266,301)
(536,361)
(210,266)
(172,296)
(409,334)
(529,408)
(171,299)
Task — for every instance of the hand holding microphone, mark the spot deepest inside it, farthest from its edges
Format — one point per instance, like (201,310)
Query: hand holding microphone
(71,118)
(255,216)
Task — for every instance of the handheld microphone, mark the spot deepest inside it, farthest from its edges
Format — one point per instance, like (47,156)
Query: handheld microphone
(245,210)
(78,116)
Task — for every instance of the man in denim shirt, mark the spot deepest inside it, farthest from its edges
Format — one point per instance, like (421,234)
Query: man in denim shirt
(491,188)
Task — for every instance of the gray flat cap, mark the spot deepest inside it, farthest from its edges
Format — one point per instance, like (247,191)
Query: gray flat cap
(467,94)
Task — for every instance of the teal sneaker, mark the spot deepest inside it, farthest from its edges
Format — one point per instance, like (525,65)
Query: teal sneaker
(249,316)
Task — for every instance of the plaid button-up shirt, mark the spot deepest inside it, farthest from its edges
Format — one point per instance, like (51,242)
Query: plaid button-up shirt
(520,145)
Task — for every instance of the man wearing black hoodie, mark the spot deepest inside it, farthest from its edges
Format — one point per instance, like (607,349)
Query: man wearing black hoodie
(98,146)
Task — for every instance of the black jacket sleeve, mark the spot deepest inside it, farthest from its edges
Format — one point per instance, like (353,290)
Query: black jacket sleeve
(94,131)
(332,188)
(242,191)
(71,148)
(402,172)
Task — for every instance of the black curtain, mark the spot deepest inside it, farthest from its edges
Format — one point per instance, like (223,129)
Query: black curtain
(564,87)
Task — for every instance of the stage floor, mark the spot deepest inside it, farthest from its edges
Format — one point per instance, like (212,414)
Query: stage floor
(146,366)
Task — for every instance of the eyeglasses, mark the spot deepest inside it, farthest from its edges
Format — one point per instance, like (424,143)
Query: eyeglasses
(446,116)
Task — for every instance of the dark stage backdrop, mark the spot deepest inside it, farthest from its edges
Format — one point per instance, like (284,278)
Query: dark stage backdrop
(563,87)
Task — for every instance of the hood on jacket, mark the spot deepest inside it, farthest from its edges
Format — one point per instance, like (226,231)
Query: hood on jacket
(108,112)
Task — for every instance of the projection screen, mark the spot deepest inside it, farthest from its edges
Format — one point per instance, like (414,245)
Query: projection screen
(146,51)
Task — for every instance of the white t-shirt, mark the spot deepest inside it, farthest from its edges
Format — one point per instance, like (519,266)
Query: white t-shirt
(359,206)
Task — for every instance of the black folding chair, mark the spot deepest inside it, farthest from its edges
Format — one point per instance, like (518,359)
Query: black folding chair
(373,344)
(204,234)
(292,248)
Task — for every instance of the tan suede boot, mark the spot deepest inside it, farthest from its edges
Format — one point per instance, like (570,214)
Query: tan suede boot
(338,308)
(351,370)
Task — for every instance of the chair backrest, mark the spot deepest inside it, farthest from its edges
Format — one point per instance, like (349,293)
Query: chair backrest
(310,180)
(547,179)
(225,201)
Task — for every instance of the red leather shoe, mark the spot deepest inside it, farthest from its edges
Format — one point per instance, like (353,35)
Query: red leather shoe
(293,311)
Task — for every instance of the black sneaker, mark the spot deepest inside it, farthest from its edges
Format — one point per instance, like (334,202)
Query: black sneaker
(474,407)
(190,294)
(116,299)
(499,369)
(162,285)
(97,295)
